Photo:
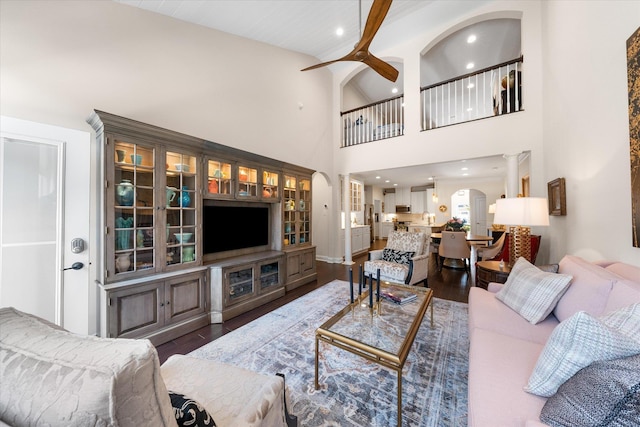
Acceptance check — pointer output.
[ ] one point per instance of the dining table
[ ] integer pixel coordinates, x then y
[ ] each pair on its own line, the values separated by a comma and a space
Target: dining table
472, 240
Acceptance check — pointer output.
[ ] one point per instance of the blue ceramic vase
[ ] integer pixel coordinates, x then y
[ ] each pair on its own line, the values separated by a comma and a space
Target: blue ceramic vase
185, 200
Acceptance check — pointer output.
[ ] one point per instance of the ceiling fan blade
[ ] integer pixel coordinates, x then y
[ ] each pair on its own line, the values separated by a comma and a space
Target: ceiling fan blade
385, 69
361, 53
323, 64
378, 11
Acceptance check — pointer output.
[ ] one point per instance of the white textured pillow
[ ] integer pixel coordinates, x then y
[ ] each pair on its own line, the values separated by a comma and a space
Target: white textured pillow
531, 292
581, 340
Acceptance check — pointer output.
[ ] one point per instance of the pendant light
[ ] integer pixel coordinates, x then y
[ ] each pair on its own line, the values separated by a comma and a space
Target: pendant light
434, 197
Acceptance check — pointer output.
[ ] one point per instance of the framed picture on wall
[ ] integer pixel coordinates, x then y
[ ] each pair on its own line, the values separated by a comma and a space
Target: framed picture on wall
557, 197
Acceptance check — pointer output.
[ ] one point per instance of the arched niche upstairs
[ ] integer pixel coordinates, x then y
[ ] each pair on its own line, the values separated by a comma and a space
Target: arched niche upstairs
364, 86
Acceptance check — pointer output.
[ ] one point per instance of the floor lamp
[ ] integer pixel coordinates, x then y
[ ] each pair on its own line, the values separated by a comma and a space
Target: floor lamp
519, 213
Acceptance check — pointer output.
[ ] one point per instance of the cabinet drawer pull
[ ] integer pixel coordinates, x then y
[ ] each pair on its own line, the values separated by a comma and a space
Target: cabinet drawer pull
161, 304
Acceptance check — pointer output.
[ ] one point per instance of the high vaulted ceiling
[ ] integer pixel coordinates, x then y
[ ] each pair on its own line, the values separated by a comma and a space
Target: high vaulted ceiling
309, 27
306, 26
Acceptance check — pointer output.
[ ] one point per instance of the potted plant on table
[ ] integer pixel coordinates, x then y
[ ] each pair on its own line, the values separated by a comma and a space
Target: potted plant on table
455, 224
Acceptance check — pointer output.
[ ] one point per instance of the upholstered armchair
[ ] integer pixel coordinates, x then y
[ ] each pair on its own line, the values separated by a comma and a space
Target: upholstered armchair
404, 260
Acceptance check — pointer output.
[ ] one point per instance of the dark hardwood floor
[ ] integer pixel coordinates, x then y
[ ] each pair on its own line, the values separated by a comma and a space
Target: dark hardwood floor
447, 284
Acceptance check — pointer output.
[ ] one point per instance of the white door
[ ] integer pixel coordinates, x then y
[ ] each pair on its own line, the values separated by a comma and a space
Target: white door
44, 206
479, 216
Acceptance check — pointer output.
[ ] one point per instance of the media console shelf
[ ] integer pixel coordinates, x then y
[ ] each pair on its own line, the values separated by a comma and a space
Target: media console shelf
153, 260
242, 283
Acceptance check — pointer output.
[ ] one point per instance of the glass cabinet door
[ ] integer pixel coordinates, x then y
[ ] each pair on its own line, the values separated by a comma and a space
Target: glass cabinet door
240, 284
304, 211
219, 178
247, 182
181, 206
133, 208
270, 185
289, 221
269, 274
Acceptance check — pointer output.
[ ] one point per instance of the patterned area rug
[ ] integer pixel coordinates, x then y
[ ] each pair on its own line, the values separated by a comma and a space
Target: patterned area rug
354, 391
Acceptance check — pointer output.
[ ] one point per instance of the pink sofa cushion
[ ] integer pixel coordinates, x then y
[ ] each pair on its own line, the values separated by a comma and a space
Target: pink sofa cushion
588, 291
499, 367
624, 292
487, 312
625, 270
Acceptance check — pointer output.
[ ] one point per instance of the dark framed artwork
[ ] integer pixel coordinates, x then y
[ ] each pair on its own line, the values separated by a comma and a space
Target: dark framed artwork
633, 81
557, 195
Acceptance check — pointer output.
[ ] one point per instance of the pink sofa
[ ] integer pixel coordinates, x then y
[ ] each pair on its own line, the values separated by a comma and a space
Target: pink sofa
504, 347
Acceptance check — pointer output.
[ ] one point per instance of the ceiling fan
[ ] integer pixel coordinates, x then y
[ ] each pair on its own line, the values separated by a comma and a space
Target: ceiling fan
361, 53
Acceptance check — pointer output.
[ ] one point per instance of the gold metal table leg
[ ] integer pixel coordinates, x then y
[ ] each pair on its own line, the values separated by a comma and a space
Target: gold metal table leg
431, 302
400, 398
316, 383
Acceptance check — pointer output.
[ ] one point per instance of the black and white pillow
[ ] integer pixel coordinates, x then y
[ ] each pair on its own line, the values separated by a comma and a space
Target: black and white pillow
399, 257
603, 393
188, 412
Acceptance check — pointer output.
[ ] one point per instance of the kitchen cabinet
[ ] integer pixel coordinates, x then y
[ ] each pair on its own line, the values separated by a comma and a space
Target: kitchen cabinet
390, 203
418, 202
385, 228
242, 283
403, 196
360, 239
159, 310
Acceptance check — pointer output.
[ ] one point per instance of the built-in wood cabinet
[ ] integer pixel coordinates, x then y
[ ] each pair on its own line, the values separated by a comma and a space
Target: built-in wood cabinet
159, 310
242, 283
301, 266
296, 211
152, 209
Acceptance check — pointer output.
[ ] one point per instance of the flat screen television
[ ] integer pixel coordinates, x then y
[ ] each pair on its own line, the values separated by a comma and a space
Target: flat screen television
229, 227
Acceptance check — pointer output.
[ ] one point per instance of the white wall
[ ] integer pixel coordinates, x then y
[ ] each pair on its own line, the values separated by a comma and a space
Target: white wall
586, 125
61, 59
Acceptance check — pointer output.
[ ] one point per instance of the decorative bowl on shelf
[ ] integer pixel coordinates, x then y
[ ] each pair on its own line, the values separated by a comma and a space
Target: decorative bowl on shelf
183, 237
180, 167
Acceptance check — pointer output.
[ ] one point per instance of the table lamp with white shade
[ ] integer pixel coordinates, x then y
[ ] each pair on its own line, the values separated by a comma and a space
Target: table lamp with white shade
520, 213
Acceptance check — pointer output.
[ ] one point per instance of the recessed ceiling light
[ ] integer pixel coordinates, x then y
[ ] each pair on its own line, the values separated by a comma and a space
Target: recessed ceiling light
340, 31
395, 185
386, 180
377, 177
469, 109
470, 65
394, 90
471, 38
465, 174
430, 178
464, 169
470, 86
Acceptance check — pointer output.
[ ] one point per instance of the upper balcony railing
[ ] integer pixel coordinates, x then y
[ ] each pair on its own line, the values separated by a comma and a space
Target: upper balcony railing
485, 93
489, 92
380, 120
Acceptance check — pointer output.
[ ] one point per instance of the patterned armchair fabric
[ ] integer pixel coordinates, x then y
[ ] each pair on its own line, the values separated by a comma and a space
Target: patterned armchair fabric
416, 270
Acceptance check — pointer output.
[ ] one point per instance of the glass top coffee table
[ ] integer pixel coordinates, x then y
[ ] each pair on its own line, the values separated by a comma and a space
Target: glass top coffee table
383, 335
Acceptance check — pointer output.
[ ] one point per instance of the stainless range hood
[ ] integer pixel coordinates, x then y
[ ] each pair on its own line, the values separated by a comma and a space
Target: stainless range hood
403, 209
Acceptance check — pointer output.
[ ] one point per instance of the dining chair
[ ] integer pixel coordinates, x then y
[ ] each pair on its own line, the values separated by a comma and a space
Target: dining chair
454, 245
488, 252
